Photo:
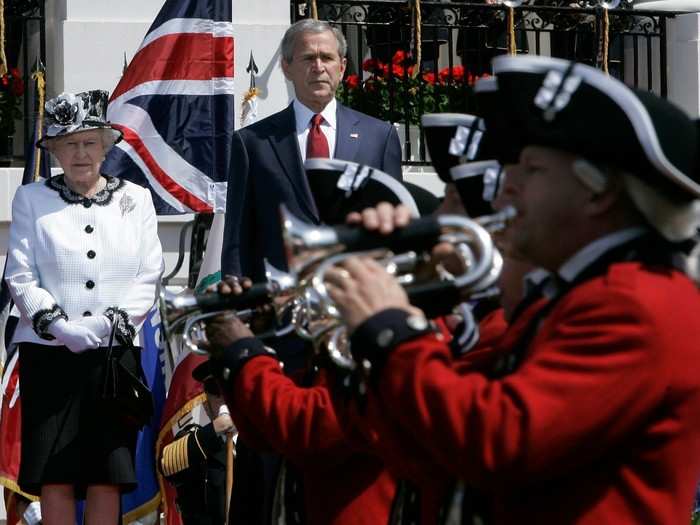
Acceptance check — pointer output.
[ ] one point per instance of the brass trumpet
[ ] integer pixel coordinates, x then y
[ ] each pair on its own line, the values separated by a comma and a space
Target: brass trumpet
183, 315
315, 250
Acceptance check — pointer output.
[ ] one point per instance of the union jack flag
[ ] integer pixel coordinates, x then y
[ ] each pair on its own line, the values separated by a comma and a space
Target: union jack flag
174, 105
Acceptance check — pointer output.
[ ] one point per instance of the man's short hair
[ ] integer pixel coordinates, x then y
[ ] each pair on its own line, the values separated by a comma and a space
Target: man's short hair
309, 25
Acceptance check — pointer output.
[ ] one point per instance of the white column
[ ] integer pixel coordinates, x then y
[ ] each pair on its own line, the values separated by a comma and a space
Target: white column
683, 51
258, 26
684, 62
668, 5
88, 40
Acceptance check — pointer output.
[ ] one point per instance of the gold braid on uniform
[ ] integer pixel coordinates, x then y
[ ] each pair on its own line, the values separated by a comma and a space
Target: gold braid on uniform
418, 37
3, 58
175, 457
40, 78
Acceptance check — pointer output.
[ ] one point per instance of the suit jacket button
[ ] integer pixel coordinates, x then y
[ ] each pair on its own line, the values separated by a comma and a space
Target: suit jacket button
87, 203
87, 313
91, 254
89, 229
90, 285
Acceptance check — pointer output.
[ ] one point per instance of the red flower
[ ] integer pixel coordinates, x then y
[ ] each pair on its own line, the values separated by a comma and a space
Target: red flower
397, 70
399, 57
352, 82
18, 87
372, 65
455, 74
429, 77
5, 80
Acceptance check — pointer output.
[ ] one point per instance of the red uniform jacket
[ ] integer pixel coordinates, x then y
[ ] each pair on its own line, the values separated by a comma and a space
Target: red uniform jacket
600, 424
403, 450
344, 483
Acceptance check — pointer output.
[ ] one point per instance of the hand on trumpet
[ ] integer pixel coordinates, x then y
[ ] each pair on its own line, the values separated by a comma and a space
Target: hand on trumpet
361, 287
225, 329
385, 218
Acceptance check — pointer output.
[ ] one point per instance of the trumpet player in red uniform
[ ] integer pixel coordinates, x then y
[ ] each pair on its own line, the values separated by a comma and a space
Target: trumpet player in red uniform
588, 414
326, 477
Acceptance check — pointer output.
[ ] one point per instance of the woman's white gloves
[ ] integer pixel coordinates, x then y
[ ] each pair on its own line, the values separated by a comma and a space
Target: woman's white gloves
76, 337
99, 324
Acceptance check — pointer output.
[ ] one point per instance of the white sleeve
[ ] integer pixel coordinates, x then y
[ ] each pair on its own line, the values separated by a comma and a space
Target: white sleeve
140, 296
22, 273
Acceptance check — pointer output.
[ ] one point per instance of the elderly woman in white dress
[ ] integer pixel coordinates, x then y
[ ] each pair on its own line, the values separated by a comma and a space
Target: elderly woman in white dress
83, 255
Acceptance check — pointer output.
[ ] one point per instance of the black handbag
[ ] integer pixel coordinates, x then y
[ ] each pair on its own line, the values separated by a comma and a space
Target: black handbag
124, 394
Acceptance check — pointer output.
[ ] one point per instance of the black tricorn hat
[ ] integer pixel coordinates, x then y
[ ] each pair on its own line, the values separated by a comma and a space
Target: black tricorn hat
576, 108
450, 137
341, 186
477, 183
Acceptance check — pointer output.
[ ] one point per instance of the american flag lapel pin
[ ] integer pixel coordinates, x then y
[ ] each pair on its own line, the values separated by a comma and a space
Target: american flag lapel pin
354, 135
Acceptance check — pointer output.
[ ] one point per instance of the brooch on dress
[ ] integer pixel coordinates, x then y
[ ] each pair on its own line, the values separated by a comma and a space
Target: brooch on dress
126, 204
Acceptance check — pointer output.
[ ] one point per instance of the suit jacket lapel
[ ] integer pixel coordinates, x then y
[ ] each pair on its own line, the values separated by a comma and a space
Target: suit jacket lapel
347, 140
286, 146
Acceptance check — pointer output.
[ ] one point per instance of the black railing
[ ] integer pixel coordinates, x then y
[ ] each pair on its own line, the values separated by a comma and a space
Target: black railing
25, 22
457, 36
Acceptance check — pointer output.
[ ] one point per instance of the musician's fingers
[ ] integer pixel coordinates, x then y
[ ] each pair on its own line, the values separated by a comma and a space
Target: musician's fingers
402, 216
354, 217
222, 287
370, 219
338, 277
385, 216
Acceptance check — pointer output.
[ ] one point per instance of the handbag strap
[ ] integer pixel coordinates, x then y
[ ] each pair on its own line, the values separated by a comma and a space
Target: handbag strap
112, 333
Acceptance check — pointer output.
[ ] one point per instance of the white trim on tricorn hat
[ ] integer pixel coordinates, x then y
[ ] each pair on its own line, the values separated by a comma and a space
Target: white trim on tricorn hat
482, 178
623, 96
473, 169
352, 175
452, 138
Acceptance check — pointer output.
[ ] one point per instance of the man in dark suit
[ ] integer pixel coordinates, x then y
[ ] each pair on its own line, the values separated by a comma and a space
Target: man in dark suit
267, 170
267, 157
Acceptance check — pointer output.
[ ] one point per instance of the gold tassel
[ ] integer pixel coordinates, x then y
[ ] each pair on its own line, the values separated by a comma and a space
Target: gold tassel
418, 38
605, 41
3, 58
314, 10
230, 455
40, 79
512, 48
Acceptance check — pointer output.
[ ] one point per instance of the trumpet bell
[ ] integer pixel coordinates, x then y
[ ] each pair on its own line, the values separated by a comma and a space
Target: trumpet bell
305, 244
